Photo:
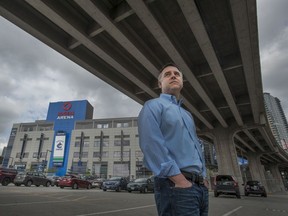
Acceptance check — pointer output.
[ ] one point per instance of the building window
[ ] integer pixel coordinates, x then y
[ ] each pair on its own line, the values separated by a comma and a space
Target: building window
97, 154
85, 138
26, 155
45, 127
105, 154
83, 125
76, 155
126, 154
43, 154
28, 128
97, 143
135, 123
35, 154
123, 124
119, 136
98, 139
102, 126
118, 142
117, 154
86, 143
105, 143
18, 155
121, 169
84, 154
138, 154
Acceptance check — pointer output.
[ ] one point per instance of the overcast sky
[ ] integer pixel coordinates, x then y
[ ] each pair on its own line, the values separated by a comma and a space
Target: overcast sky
32, 74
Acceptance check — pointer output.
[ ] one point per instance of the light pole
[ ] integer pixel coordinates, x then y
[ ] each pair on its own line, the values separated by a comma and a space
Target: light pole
137, 165
11, 161
46, 162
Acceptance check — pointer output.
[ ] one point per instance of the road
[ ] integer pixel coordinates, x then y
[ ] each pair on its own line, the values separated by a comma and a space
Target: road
54, 201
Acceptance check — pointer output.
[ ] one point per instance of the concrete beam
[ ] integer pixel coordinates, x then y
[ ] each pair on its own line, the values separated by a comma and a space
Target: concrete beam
244, 143
80, 36
246, 131
194, 20
156, 30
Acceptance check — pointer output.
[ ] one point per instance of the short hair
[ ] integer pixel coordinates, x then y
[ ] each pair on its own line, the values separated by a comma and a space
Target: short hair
167, 65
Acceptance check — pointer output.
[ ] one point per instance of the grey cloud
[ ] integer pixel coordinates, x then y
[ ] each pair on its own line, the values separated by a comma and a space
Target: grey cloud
32, 75
272, 17
273, 39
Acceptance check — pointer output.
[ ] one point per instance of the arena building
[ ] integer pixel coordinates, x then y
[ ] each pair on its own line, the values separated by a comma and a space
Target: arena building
70, 140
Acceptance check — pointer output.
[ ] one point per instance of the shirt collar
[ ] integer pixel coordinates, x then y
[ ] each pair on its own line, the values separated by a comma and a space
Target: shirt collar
171, 98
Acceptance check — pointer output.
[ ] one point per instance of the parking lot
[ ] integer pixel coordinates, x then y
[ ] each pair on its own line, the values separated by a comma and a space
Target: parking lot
32, 201
55, 201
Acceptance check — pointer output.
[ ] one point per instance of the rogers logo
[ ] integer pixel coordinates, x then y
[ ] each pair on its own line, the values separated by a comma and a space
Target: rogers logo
67, 106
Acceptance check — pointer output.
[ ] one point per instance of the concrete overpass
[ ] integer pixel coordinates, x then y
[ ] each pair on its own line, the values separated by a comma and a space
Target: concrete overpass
215, 44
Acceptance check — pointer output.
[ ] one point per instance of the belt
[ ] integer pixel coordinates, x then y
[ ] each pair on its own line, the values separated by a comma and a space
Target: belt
193, 177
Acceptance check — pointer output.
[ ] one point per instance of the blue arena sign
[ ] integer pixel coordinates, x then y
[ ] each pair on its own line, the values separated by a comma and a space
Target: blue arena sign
64, 114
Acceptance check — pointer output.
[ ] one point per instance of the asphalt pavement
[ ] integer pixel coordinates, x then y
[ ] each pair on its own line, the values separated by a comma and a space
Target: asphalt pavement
35, 201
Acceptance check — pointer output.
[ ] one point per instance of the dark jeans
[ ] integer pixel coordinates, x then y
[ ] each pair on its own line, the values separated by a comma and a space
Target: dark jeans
171, 201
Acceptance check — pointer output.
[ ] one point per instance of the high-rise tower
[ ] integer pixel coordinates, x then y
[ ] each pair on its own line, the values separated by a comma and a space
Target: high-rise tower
277, 119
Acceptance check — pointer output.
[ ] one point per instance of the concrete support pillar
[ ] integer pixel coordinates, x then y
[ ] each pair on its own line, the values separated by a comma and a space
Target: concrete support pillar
257, 170
226, 153
275, 183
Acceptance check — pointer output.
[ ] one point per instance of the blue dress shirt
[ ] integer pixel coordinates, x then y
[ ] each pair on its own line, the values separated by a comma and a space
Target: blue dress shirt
168, 139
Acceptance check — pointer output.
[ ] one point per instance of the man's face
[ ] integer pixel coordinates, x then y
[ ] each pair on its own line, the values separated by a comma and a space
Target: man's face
171, 81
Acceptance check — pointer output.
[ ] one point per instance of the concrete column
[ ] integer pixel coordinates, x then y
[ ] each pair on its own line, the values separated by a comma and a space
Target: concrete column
276, 183
257, 170
226, 153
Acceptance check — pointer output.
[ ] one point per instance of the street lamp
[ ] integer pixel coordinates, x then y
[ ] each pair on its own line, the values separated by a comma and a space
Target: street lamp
137, 165
11, 161
46, 162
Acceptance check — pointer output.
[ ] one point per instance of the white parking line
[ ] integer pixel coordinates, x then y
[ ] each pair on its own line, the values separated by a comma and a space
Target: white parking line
118, 210
79, 198
62, 197
43, 202
234, 210
29, 203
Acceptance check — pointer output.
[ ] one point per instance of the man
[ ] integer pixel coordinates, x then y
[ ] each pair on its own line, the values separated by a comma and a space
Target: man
172, 150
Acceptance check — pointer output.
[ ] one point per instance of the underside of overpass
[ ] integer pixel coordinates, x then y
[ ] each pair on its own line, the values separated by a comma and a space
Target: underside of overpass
126, 42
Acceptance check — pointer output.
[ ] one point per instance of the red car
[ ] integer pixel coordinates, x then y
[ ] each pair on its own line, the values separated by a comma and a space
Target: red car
74, 181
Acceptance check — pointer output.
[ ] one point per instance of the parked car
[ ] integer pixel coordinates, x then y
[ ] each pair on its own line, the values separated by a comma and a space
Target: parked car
74, 181
54, 179
141, 184
226, 184
7, 175
254, 187
32, 178
115, 183
97, 183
